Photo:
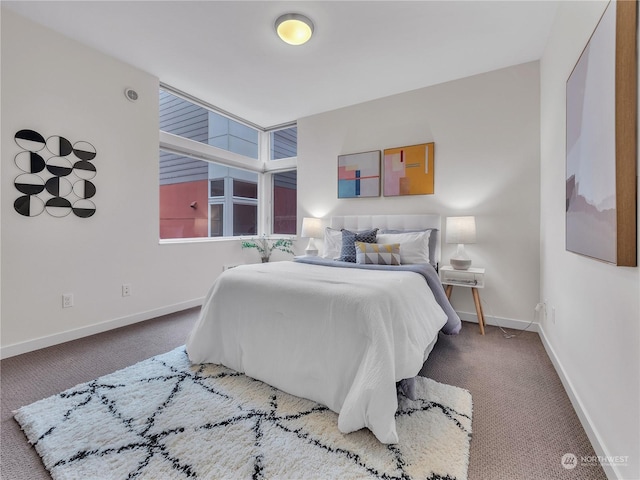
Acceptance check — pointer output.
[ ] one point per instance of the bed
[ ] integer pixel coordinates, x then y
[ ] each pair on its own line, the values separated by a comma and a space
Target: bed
336, 332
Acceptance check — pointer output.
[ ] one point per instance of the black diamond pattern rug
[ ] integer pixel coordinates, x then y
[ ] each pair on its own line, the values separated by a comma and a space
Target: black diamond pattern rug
164, 418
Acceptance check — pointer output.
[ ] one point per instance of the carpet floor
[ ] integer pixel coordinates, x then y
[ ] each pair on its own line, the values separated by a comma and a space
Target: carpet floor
523, 421
164, 418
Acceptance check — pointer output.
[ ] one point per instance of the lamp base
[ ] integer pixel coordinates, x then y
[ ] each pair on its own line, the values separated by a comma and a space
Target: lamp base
311, 250
460, 260
460, 264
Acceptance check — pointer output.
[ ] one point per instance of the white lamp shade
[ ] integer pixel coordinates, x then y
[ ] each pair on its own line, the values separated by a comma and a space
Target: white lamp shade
461, 230
311, 227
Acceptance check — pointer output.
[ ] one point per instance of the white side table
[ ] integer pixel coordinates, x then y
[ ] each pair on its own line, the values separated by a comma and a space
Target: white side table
472, 278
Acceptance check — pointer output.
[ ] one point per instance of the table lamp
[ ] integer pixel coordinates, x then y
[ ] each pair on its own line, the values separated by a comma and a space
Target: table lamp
311, 229
461, 230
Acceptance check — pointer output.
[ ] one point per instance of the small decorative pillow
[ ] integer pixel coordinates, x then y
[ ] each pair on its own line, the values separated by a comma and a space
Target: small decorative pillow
348, 253
378, 253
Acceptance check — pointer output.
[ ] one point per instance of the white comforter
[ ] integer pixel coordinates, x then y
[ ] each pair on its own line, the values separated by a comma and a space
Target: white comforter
339, 336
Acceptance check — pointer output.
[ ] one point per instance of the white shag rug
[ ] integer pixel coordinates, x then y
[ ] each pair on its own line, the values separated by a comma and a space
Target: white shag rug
166, 419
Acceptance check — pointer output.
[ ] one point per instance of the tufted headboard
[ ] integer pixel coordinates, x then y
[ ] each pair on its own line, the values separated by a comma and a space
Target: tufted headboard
394, 222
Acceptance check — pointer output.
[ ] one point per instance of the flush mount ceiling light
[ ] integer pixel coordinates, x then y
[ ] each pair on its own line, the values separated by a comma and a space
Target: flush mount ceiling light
294, 29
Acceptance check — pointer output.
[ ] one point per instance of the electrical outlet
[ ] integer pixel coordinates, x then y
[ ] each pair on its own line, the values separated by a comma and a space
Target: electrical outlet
545, 309
67, 300
126, 289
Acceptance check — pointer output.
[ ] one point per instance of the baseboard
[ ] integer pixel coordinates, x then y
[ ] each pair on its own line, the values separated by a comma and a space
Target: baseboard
583, 416
56, 339
500, 322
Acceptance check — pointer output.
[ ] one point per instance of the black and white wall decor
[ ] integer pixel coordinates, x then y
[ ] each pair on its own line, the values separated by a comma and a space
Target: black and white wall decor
56, 176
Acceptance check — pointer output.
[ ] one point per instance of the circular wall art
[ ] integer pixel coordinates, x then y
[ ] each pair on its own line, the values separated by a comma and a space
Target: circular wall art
56, 178
29, 205
29, 140
59, 166
29, 162
58, 186
84, 189
58, 207
59, 146
85, 170
84, 208
29, 183
84, 151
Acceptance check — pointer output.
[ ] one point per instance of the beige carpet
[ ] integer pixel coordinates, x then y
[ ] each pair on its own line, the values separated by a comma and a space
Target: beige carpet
523, 420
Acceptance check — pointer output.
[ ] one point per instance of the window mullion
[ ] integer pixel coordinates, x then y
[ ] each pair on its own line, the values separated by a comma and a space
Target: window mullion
264, 205
228, 207
184, 146
263, 189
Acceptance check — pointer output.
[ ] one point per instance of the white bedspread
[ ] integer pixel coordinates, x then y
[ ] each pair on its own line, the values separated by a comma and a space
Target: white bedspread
339, 336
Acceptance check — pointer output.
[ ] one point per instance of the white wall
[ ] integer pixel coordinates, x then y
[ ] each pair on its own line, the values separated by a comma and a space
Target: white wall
595, 340
58, 87
486, 134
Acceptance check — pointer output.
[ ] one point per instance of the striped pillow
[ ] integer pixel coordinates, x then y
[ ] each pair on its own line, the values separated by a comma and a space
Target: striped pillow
378, 253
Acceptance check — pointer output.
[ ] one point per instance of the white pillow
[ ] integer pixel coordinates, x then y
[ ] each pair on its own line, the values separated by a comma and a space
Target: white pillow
414, 246
332, 243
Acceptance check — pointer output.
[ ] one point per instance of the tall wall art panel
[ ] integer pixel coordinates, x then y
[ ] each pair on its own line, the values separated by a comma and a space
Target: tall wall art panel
601, 185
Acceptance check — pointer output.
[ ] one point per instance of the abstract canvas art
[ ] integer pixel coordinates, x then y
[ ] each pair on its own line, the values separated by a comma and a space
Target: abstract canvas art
601, 142
409, 170
359, 175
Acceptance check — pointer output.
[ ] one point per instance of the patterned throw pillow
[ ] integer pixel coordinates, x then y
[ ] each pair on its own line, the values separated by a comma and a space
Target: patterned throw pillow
378, 253
348, 253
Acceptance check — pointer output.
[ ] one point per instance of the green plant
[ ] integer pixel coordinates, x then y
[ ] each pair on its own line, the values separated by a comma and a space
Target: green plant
266, 245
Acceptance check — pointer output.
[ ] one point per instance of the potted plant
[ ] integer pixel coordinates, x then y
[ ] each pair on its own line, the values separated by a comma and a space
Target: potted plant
266, 245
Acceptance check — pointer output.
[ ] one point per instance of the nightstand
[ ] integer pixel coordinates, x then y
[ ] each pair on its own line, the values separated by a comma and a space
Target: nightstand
472, 278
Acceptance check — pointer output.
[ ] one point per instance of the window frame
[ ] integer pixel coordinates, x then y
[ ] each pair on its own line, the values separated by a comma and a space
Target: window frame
263, 166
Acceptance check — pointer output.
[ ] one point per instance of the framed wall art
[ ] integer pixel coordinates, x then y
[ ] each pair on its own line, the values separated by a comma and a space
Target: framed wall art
359, 175
409, 170
601, 140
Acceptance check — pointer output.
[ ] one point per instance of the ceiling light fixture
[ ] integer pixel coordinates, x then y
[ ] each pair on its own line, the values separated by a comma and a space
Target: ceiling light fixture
294, 29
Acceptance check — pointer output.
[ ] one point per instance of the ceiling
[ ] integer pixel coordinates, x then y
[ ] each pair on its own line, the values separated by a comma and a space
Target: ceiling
227, 53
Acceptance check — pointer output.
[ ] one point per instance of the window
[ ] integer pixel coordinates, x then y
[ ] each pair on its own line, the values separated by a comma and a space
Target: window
216, 219
183, 196
284, 143
206, 199
233, 201
186, 119
217, 188
206, 192
285, 203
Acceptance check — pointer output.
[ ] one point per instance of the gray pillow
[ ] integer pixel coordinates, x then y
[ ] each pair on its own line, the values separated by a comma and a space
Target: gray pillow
349, 239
